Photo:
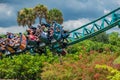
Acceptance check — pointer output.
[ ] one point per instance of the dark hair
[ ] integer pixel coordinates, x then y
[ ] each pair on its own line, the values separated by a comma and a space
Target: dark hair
43, 24
46, 25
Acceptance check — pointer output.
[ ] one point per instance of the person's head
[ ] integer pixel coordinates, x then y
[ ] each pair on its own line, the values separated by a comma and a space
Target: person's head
38, 26
29, 31
3, 43
43, 26
20, 33
53, 22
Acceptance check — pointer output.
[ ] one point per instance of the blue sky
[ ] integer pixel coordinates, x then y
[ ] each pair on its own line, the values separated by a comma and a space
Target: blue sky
75, 12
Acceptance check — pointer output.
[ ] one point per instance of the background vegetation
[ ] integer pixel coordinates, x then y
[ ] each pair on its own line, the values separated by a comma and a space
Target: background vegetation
87, 60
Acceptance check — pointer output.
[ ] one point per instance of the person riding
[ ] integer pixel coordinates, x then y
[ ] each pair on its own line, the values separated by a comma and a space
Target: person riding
31, 36
38, 30
2, 46
50, 33
10, 35
23, 41
59, 32
11, 42
33, 29
43, 33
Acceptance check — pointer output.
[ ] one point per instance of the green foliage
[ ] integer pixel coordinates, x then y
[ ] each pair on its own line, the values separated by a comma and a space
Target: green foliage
77, 67
20, 67
2, 35
40, 11
115, 74
102, 37
23, 66
117, 60
114, 38
88, 46
54, 15
27, 16
80, 64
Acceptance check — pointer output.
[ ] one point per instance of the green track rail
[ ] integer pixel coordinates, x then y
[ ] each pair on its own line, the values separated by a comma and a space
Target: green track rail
95, 27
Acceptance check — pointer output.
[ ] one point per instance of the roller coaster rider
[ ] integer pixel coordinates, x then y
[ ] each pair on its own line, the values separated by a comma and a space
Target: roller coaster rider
32, 38
59, 32
2, 47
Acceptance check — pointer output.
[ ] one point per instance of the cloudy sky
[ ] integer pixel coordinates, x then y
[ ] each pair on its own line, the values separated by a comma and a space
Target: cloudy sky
75, 12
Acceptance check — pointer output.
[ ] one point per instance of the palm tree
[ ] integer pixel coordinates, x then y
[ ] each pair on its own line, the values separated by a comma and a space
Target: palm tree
26, 17
21, 18
40, 11
54, 15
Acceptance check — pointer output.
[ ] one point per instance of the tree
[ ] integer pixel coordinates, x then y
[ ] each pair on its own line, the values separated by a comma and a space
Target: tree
26, 17
102, 37
40, 11
54, 15
114, 38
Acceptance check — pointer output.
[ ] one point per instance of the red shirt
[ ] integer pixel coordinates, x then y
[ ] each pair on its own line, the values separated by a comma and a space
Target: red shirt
32, 37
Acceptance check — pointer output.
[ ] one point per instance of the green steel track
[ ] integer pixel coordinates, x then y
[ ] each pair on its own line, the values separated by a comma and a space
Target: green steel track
95, 27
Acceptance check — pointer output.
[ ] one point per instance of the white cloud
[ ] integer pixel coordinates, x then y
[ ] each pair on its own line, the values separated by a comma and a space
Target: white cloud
73, 24
9, 13
6, 11
115, 29
13, 29
106, 11
118, 2
2, 30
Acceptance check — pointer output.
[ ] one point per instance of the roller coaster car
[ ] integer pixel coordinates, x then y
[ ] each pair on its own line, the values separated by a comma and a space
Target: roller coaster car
2, 50
16, 48
39, 46
10, 49
36, 46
